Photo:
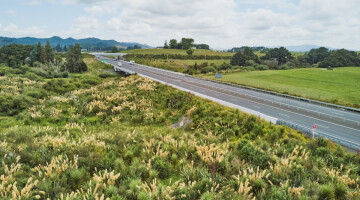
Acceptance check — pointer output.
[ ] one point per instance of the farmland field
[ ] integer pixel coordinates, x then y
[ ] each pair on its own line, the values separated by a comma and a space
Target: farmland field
340, 86
178, 51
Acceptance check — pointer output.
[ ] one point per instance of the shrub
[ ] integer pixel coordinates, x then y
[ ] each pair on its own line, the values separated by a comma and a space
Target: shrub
327, 192
261, 67
340, 192
162, 167
107, 75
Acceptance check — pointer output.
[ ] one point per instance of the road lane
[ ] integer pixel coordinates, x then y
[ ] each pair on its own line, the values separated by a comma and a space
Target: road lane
334, 122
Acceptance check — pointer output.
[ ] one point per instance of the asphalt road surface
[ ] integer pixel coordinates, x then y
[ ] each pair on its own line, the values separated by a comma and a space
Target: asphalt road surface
334, 123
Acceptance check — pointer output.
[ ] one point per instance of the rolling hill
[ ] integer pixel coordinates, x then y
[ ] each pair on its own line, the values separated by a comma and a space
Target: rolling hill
87, 43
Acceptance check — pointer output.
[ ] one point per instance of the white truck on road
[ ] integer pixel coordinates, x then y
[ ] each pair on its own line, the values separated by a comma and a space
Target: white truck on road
117, 67
132, 62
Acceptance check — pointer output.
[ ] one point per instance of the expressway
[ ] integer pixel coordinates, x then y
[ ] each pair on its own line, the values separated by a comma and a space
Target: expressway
338, 125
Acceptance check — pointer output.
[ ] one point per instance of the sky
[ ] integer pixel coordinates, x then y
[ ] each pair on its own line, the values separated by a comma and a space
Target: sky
220, 23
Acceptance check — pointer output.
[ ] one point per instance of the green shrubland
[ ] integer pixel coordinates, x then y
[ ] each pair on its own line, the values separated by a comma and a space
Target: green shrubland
86, 137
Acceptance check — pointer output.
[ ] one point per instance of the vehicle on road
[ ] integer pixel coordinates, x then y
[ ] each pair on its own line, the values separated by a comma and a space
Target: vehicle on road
132, 62
119, 64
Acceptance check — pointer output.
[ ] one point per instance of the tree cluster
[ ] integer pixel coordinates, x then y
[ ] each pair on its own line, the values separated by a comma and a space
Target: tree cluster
14, 55
58, 48
261, 49
185, 43
281, 55
42, 54
74, 60
242, 57
341, 58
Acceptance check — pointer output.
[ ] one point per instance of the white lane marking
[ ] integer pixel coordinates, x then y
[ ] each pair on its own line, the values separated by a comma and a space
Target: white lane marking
338, 113
284, 115
323, 126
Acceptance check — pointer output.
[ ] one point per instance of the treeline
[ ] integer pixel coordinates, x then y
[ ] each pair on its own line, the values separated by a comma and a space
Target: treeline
281, 58
261, 49
185, 43
176, 56
16, 55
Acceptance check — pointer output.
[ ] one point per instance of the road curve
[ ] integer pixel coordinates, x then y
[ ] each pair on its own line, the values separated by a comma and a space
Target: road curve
336, 124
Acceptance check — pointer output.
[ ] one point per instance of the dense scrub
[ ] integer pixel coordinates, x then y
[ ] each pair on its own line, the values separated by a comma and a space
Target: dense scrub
115, 140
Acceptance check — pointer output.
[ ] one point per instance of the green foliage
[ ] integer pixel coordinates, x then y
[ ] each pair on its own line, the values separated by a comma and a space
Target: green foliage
281, 55
74, 60
14, 55
327, 192
114, 50
244, 57
341, 58
190, 52
316, 55
115, 139
162, 167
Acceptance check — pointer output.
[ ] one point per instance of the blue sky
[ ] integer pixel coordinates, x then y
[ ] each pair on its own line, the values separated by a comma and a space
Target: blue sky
221, 24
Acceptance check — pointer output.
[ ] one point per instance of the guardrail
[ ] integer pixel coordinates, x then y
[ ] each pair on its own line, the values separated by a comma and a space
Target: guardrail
280, 94
344, 142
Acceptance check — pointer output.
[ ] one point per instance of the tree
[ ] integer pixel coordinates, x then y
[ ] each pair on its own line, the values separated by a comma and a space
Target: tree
281, 55
74, 60
49, 54
114, 50
241, 57
58, 48
187, 43
65, 49
250, 55
190, 52
316, 55
238, 59
202, 46
341, 58
166, 46
173, 44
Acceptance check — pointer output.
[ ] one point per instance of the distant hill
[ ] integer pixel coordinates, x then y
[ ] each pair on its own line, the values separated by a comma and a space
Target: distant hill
304, 48
87, 43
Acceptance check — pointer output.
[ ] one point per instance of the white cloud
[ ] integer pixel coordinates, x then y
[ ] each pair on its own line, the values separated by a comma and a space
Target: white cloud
11, 12
221, 24
13, 30
154, 22
101, 10
84, 27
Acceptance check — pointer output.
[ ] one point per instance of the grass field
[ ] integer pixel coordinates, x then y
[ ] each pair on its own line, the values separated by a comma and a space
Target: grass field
178, 51
340, 86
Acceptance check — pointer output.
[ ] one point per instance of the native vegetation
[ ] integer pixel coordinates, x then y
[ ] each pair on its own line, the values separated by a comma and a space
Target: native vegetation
111, 138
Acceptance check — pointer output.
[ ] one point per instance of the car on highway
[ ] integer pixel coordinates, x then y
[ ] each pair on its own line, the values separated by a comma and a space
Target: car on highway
132, 62
119, 64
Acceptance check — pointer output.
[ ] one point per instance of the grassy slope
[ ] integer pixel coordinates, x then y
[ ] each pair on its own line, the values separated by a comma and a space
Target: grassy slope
73, 141
341, 85
178, 51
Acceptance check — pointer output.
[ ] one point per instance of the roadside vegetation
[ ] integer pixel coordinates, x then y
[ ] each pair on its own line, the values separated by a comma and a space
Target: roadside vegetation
88, 137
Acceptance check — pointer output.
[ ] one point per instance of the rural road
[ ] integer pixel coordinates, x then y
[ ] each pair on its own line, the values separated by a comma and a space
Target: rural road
332, 123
